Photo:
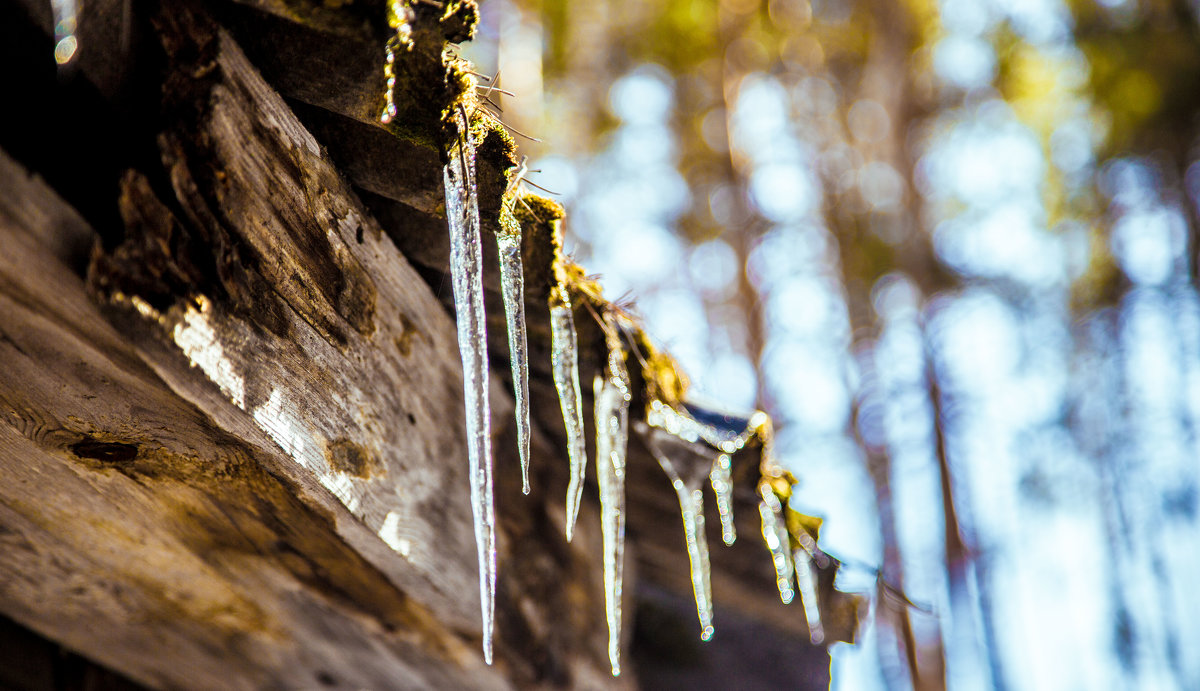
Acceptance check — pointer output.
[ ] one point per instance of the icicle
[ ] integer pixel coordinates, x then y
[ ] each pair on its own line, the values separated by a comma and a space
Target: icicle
806, 583
722, 484
65, 43
512, 282
399, 14
564, 359
691, 506
612, 396
686, 427
462, 214
692, 423
774, 532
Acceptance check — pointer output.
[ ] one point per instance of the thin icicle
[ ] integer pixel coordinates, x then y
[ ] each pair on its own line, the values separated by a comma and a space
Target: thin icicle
564, 360
774, 532
612, 396
686, 424
399, 14
462, 214
721, 478
806, 583
687, 428
512, 283
691, 506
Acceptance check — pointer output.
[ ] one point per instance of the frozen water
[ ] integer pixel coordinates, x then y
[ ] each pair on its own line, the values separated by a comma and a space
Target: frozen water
612, 396
806, 583
691, 506
462, 214
512, 284
774, 532
722, 483
564, 360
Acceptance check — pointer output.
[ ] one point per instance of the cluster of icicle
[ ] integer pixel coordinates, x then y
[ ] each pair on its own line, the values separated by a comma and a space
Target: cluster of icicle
678, 428
794, 552
684, 429
690, 444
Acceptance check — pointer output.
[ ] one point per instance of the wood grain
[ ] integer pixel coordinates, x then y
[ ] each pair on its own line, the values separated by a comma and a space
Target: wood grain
140, 532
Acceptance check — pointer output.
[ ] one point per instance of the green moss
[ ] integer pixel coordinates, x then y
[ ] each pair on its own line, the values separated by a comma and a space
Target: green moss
429, 89
458, 20
546, 210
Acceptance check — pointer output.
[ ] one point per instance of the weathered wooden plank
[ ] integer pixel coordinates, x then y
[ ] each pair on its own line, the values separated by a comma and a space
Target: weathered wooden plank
141, 533
355, 373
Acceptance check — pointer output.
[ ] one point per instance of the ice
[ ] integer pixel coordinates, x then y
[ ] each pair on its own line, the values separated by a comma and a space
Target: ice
564, 360
696, 430
774, 532
462, 214
389, 74
399, 15
612, 396
512, 282
806, 583
683, 424
722, 484
691, 506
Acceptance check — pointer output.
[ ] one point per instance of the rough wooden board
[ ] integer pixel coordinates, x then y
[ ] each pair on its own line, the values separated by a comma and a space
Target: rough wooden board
356, 374
377, 161
132, 523
342, 75
331, 63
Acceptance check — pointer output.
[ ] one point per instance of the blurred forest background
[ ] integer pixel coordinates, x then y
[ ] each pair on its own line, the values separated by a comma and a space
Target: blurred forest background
950, 247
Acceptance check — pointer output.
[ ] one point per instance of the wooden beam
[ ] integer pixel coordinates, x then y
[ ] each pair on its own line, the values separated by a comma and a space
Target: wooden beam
139, 530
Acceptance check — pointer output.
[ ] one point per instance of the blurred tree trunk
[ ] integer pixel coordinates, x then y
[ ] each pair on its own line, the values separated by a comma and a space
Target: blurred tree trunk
884, 101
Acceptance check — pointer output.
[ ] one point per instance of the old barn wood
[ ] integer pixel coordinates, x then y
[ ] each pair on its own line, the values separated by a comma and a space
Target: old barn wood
233, 451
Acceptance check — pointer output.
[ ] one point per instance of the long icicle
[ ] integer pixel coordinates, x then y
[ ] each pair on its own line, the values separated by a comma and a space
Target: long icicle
774, 532
691, 506
512, 284
462, 213
564, 359
612, 395
806, 583
721, 478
